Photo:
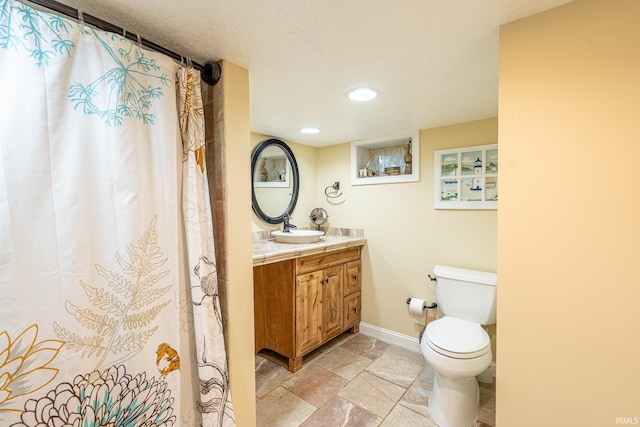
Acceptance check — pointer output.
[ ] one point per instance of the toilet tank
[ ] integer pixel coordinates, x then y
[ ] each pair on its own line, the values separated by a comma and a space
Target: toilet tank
466, 294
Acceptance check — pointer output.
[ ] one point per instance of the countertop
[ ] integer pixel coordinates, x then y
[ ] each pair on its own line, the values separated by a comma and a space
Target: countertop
266, 250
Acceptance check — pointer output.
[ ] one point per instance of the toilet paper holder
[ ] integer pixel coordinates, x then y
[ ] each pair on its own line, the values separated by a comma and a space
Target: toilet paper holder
432, 305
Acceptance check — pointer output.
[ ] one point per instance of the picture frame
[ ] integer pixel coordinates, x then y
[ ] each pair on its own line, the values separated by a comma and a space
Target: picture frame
466, 178
273, 171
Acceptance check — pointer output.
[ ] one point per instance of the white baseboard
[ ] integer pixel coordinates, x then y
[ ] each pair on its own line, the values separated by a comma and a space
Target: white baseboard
391, 337
401, 340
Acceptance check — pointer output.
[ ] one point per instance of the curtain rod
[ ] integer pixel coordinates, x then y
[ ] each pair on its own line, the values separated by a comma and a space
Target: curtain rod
209, 72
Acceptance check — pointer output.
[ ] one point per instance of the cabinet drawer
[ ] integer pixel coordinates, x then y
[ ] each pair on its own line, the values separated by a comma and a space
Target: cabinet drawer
352, 306
327, 259
352, 277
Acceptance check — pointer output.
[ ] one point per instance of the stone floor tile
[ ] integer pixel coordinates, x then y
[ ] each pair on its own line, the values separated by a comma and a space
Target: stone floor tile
425, 379
416, 399
316, 385
396, 369
283, 409
487, 415
401, 416
269, 375
373, 393
341, 412
418, 395
336, 342
409, 355
366, 346
343, 362
286, 399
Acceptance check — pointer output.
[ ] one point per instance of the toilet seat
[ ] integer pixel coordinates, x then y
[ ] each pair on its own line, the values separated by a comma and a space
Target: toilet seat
457, 338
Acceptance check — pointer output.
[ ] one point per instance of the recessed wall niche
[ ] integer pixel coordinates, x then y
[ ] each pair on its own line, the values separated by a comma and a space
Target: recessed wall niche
386, 159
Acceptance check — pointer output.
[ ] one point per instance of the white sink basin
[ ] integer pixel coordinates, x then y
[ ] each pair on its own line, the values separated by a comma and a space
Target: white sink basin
297, 236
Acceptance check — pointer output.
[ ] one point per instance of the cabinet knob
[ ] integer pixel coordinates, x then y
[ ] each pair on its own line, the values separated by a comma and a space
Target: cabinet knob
354, 277
355, 310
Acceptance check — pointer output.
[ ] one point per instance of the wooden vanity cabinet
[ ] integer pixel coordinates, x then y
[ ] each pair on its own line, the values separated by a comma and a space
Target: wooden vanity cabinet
302, 303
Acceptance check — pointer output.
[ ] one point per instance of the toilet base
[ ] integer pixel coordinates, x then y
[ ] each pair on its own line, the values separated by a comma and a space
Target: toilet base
454, 402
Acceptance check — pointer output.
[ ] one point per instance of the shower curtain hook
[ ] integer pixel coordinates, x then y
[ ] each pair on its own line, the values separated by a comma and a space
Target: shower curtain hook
189, 63
139, 41
81, 20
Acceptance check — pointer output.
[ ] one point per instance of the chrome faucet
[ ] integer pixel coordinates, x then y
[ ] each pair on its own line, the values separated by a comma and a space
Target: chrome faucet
286, 226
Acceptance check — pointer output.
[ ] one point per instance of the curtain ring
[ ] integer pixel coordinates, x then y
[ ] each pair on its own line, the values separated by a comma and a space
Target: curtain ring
81, 20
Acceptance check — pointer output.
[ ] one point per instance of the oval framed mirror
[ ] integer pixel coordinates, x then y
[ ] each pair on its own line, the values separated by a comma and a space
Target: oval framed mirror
275, 181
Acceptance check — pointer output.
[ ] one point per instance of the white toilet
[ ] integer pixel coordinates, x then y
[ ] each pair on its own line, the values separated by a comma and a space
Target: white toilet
456, 346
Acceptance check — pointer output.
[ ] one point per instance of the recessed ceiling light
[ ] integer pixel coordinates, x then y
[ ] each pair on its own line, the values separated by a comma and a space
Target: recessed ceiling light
361, 94
310, 130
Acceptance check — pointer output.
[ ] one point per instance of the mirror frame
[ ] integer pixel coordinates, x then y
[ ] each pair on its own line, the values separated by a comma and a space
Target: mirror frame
294, 175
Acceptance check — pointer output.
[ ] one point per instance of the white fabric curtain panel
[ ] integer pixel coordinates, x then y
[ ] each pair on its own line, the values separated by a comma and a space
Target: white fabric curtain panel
96, 326
382, 158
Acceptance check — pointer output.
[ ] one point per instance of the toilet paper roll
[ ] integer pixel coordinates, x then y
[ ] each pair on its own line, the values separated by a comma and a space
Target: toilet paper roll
416, 309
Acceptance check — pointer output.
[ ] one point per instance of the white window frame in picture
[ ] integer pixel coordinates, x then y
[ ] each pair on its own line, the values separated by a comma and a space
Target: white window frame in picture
460, 171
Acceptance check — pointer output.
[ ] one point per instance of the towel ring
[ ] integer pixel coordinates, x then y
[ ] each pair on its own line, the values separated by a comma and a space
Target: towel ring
336, 187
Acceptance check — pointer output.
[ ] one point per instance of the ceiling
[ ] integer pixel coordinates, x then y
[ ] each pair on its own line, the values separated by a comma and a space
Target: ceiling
434, 62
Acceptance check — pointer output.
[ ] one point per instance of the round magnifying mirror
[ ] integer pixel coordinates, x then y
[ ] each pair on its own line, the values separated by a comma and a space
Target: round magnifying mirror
274, 181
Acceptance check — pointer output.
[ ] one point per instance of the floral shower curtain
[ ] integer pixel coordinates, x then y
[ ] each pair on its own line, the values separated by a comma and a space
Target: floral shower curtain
100, 309
215, 398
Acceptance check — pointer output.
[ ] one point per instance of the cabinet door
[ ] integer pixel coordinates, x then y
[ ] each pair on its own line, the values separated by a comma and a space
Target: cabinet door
332, 300
352, 310
308, 311
274, 307
352, 277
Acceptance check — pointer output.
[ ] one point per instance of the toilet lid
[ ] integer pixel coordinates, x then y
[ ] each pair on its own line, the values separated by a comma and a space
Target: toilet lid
457, 338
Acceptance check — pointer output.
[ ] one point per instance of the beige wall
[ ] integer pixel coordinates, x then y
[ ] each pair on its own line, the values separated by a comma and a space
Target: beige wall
568, 223
406, 237
238, 284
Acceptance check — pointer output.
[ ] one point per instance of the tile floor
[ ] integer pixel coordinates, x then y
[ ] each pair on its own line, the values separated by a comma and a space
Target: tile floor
354, 380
